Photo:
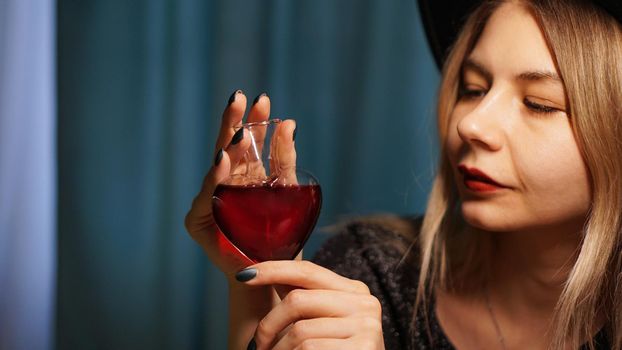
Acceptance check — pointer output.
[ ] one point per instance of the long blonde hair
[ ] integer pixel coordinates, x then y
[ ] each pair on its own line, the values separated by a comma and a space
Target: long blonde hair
586, 44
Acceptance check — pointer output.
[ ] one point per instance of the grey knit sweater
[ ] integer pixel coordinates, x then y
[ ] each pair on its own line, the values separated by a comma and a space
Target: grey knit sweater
369, 251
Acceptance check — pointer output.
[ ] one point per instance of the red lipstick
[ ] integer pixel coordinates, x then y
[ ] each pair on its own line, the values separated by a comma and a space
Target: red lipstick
477, 181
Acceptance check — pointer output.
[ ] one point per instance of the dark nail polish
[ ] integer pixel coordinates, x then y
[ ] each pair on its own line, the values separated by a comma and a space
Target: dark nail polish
238, 136
246, 274
251, 345
218, 157
232, 98
294, 136
258, 97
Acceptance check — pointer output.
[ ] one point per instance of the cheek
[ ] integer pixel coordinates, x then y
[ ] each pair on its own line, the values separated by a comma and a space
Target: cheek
551, 180
555, 179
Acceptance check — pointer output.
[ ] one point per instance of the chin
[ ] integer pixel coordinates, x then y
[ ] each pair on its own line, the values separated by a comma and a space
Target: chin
487, 217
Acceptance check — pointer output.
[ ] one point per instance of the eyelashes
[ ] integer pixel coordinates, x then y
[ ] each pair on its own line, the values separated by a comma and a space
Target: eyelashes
538, 108
470, 94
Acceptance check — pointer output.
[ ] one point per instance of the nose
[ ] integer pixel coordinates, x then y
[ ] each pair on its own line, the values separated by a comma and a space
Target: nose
482, 127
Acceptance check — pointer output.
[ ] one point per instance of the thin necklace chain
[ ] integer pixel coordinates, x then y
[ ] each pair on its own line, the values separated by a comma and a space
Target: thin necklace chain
494, 319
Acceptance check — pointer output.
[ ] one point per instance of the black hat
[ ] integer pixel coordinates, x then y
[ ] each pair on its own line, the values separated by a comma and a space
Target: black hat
442, 19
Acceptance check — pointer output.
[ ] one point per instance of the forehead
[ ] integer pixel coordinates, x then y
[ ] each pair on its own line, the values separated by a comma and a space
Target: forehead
512, 42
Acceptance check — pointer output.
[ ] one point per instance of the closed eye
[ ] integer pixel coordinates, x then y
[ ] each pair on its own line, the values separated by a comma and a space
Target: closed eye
539, 108
470, 93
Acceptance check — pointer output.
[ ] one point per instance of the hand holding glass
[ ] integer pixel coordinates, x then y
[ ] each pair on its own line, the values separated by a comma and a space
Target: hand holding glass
267, 207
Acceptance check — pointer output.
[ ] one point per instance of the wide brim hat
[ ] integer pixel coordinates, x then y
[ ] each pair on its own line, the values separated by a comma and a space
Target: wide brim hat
442, 20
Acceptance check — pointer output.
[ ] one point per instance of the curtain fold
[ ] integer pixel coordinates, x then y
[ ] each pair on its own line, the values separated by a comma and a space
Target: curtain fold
142, 85
27, 174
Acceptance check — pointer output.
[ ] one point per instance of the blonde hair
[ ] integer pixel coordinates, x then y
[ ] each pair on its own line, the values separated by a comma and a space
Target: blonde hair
586, 44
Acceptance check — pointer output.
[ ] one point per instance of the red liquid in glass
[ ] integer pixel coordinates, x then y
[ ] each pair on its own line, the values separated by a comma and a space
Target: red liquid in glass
267, 222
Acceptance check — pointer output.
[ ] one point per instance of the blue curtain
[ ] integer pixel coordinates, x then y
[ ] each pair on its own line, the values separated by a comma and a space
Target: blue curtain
27, 174
141, 86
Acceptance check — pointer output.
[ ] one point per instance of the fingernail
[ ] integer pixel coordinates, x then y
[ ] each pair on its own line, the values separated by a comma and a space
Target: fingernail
218, 157
232, 98
238, 136
259, 97
246, 274
294, 136
251, 345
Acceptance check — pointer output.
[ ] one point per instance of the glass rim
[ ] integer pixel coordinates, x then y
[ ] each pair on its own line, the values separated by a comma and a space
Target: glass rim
260, 123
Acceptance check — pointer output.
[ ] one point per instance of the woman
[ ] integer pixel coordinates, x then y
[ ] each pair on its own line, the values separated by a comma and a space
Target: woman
520, 245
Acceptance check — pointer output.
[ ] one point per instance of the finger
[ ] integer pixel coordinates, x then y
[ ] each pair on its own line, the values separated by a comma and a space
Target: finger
303, 274
282, 289
284, 151
231, 117
285, 146
326, 327
327, 344
237, 148
260, 110
303, 304
255, 157
200, 214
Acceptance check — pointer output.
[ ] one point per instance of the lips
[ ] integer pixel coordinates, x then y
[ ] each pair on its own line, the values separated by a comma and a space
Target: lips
476, 180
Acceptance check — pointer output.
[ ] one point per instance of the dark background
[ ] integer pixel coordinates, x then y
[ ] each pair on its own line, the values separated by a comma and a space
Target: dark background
141, 87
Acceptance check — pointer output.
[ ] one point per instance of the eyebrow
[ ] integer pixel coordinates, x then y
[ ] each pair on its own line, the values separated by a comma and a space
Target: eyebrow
537, 75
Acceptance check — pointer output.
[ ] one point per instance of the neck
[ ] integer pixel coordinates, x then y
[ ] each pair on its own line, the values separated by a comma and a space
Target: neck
529, 268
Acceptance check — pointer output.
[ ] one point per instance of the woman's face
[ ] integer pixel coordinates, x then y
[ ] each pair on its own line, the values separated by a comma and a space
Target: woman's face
510, 123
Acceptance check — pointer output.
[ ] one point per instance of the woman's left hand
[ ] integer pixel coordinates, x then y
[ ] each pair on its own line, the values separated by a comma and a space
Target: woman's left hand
323, 311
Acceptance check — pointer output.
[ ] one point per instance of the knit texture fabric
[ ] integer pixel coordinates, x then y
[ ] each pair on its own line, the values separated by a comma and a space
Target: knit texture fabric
370, 252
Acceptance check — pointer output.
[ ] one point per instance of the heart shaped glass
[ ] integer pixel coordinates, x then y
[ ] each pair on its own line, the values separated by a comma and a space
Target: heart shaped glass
267, 207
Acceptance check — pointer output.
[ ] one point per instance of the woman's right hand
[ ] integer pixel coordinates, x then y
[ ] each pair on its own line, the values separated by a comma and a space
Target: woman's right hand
228, 154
